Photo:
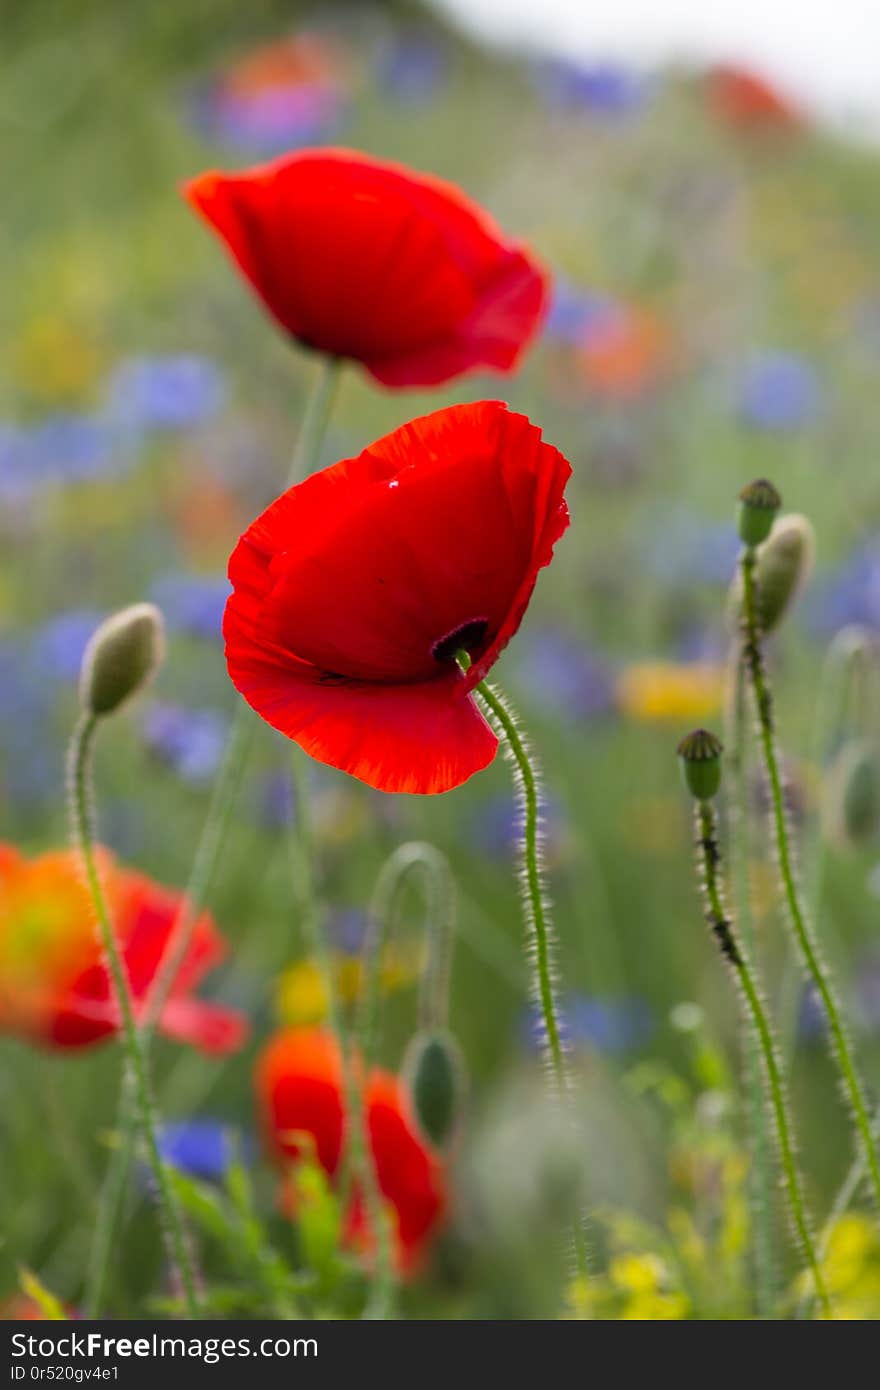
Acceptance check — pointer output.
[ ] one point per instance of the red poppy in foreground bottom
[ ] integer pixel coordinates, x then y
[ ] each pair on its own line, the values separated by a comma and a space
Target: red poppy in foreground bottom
353, 592
299, 1089
54, 985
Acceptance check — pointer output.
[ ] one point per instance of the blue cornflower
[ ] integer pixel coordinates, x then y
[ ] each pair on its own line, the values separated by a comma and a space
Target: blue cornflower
603, 88
576, 313
414, 68
57, 648
561, 675
204, 1149
850, 595
74, 448
190, 741
608, 1024
679, 548
779, 391
165, 393
192, 603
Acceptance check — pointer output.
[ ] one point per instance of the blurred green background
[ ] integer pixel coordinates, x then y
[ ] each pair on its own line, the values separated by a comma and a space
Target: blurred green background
717, 317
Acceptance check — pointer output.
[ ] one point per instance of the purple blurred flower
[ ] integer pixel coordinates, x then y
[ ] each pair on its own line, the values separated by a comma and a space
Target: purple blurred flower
204, 1149
576, 313
272, 120
851, 595
58, 646
779, 391
72, 448
277, 803
496, 829
190, 741
414, 68
31, 761
867, 990
346, 928
561, 675
18, 473
165, 393
679, 548
192, 603
603, 88
608, 1024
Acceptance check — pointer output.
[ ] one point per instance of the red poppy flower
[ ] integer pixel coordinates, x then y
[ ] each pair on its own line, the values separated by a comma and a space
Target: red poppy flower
750, 102
299, 1090
354, 590
54, 986
360, 258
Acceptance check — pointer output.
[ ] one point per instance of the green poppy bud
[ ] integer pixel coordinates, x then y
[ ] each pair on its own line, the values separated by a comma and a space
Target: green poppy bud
121, 657
758, 505
434, 1072
700, 754
852, 797
784, 564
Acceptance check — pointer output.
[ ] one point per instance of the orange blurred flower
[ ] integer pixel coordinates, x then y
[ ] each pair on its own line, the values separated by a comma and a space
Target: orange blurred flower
748, 102
55, 988
299, 1091
625, 352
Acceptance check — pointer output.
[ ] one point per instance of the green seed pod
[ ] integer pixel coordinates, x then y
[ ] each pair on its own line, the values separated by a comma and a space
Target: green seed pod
784, 564
435, 1074
758, 505
122, 656
700, 754
852, 795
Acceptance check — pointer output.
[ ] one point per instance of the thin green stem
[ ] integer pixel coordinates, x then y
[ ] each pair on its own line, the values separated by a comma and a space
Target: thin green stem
405, 860
114, 1189
536, 907
115, 1186
839, 1207
135, 1051
307, 454
709, 862
762, 1177
359, 1158
754, 662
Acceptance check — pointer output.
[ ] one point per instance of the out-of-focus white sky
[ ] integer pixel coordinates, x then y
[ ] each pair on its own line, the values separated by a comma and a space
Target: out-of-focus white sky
826, 52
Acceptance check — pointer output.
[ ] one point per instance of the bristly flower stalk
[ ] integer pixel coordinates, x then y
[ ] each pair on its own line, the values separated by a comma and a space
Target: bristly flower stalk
700, 755
119, 660
755, 503
536, 906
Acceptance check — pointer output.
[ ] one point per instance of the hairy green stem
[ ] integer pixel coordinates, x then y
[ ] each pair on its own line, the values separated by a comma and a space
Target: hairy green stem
112, 1198
136, 1054
537, 910
709, 865
754, 663
358, 1160
407, 859
115, 1186
762, 1177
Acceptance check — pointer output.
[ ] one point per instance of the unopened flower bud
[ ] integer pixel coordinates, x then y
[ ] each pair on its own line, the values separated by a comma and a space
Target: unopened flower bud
783, 567
121, 657
758, 505
852, 798
434, 1072
700, 754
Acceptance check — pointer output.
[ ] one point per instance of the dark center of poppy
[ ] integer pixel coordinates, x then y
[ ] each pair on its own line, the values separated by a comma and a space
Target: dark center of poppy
466, 637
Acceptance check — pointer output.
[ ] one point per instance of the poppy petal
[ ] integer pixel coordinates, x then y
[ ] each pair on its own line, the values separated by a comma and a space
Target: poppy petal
366, 259
353, 590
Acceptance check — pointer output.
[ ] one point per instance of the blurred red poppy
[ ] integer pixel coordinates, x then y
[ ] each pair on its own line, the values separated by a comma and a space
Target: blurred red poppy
54, 985
353, 592
299, 1091
749, 102
360, 258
